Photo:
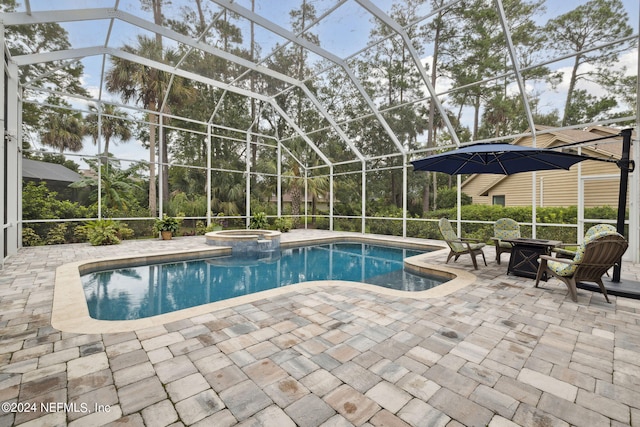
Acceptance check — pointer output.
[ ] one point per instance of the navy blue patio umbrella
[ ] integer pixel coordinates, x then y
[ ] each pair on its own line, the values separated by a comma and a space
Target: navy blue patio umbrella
507, 159
504, 159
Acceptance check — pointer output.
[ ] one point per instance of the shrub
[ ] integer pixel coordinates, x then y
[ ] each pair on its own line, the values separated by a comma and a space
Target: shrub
201, 228
282, 224
259, 221
522, 214
448, 198
102, 232
56, 235
30, 237
124, 232
80, 233
38, 202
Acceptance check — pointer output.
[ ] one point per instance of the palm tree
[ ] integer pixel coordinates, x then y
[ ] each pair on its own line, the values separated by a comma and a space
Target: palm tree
293, 181
114, 124
63, 131
318, 186
148, 86
117, 185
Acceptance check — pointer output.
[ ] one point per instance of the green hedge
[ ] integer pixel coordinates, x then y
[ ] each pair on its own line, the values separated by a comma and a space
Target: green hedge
489, 214
418, 227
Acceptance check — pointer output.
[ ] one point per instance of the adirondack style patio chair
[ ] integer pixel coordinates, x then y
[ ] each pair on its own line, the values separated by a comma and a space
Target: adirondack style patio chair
504, 228
459, 246
592, 260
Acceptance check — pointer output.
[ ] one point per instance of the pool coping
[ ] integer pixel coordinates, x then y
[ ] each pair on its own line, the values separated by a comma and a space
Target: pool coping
70, 312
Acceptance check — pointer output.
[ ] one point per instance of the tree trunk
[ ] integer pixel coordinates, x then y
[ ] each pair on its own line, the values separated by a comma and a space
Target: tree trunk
435, 191
157, 17
572, 86
476, 116
296, 198
203, 23
426, 195
313, 210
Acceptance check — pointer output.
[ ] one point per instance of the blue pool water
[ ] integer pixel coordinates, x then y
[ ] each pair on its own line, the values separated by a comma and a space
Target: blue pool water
144, 291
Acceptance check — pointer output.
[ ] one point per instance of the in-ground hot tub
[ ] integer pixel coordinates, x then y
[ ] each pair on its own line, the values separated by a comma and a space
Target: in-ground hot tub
245, 241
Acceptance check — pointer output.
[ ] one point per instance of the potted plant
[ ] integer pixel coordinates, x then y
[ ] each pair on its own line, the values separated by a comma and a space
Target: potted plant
167, 226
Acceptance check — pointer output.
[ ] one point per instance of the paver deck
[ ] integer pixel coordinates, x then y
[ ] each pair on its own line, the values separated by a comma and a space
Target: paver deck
498, 352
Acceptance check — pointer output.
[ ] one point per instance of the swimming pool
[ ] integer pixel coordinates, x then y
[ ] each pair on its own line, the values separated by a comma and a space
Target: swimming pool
137, 292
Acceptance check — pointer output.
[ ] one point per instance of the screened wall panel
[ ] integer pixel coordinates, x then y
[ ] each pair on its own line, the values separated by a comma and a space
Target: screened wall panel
329, 82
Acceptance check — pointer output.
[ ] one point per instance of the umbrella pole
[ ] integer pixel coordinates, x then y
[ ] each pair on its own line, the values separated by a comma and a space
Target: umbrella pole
625, 167
624, 288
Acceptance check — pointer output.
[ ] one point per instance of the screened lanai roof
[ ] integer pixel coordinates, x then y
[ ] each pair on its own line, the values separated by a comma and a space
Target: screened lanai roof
244, 48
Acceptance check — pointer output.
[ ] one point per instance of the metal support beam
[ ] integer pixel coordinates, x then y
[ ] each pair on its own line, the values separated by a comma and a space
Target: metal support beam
11, 180
99, 146
279, 172
263, 22
363, 198
306, 196
516, 67
59, 55
404, 195
160, 162
247, 156
4, 178
378, 13
626, 165
14, 130
459, 204
331, 196
209, 213
111, 14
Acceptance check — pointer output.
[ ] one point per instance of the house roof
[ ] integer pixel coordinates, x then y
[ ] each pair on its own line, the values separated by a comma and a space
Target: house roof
45, 171
602, 148
606, 148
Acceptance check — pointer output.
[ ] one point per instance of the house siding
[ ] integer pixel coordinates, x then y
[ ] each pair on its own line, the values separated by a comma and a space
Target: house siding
557, 188
478, 184
553, 188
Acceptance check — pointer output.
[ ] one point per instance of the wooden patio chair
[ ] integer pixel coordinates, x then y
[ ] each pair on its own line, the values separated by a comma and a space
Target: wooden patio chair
504, 228
592, 260
460, 246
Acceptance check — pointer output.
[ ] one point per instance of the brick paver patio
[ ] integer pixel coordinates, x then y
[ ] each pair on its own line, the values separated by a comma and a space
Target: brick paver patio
498, 352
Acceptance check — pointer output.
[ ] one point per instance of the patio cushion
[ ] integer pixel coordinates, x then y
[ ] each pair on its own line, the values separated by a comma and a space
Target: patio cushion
588, 236
475, 246
598, 228
506, 228
562, 269
449, 235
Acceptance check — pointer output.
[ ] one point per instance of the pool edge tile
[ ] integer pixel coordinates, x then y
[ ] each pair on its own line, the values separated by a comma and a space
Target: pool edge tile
70, 312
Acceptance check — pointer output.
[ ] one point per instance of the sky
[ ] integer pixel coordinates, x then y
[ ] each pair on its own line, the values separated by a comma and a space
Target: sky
344, 32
